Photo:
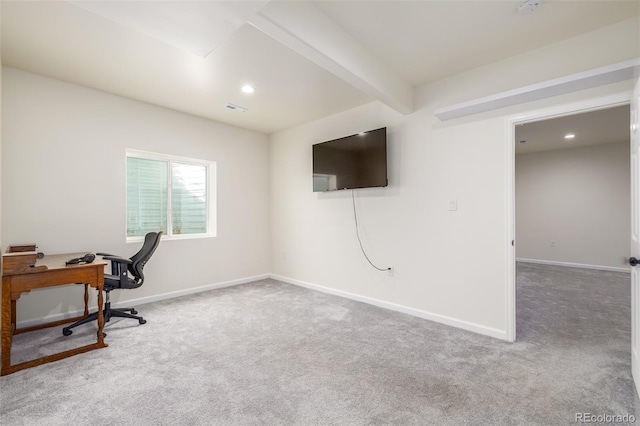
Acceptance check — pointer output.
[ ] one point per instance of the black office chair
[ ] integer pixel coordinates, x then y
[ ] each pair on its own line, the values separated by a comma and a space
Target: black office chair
119, 278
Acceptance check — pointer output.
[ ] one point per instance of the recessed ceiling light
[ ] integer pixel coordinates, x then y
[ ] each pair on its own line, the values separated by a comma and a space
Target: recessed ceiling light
248, 88
569, 136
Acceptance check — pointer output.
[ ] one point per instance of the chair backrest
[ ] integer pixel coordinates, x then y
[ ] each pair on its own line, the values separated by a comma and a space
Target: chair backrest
138, 260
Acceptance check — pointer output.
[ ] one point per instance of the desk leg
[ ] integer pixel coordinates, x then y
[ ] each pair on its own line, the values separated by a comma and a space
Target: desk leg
6, 325
86, 300
100, 308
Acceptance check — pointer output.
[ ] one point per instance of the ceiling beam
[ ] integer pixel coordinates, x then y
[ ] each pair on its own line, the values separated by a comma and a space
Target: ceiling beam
307, 30
583, 80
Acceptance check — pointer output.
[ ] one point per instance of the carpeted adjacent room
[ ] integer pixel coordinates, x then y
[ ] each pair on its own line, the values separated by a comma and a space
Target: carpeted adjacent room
273, 353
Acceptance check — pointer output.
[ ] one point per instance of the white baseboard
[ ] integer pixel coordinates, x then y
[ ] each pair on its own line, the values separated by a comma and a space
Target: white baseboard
442, 319
186, 292
575, 265
144, 300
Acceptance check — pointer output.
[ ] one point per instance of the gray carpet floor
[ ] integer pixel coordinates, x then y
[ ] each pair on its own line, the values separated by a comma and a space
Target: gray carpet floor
269, 353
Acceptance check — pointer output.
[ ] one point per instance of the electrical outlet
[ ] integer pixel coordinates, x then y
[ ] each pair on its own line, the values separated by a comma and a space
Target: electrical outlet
391, 271
553, 243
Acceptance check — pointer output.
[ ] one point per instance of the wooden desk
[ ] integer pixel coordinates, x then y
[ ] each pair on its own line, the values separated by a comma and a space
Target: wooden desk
49, 271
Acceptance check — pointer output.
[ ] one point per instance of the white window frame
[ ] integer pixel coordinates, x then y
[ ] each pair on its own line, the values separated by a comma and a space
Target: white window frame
211, 194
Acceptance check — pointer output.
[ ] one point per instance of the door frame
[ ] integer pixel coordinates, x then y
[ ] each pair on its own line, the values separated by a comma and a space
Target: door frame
619, 99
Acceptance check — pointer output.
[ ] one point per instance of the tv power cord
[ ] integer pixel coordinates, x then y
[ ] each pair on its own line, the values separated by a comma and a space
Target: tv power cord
355, 216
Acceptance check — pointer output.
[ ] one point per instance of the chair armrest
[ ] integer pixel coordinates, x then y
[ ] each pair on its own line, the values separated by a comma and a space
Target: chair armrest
117, 259
118, 265
104, 254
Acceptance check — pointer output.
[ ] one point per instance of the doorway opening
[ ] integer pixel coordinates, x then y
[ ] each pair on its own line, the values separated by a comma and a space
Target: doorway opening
577, 209
572, 209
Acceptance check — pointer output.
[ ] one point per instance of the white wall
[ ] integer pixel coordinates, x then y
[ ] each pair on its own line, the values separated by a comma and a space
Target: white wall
63, 185
578, 198
450, 266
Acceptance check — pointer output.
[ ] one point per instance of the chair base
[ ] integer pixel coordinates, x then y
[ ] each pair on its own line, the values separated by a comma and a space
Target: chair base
107, 314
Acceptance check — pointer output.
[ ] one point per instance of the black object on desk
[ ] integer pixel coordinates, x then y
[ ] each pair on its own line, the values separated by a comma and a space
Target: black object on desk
87, 258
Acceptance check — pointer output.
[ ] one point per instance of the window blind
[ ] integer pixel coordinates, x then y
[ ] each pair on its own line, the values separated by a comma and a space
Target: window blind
147, 185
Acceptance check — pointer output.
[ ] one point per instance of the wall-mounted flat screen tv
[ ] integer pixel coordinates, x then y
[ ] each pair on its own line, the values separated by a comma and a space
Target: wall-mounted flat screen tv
356, 161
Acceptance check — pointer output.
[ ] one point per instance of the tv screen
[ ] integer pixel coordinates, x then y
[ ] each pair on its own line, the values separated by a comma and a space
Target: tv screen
357, 161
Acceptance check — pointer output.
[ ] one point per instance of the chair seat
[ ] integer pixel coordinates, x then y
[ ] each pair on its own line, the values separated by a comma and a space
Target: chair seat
112, 282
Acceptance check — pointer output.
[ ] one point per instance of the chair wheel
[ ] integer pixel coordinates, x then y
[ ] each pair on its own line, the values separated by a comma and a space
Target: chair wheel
66, 332
142, 321
134, 312
104, 335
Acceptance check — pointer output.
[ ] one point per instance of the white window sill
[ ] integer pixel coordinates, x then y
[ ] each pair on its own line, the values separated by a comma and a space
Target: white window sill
172, 237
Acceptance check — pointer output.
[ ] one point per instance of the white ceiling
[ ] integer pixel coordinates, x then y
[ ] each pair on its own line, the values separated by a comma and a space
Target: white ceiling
305, 59
591, 128
198, 27
424, 41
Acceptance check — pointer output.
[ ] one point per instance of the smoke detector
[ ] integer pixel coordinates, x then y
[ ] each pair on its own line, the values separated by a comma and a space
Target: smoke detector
527, 7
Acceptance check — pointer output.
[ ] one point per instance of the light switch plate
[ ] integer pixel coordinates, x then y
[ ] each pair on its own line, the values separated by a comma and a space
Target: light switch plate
453, 205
